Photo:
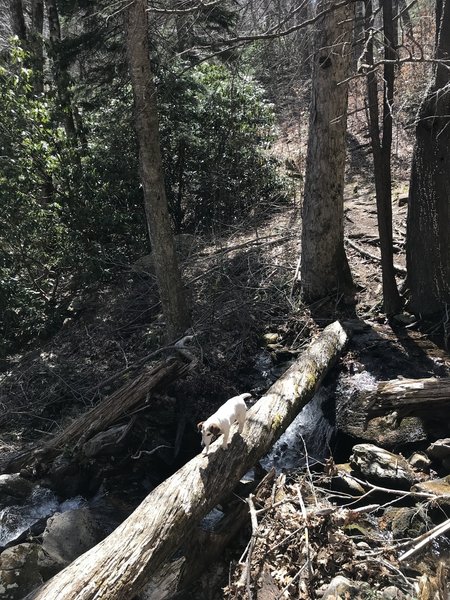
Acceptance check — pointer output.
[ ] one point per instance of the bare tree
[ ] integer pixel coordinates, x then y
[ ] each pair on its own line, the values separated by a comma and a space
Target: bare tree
428, 227
173, 296
381, 140
324, 265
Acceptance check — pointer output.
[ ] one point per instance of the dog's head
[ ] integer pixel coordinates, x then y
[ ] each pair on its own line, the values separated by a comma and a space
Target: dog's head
209, 432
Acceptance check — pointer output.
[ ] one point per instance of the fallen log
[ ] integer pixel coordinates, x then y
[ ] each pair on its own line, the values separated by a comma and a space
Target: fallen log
100, 417
408, 397
120, 565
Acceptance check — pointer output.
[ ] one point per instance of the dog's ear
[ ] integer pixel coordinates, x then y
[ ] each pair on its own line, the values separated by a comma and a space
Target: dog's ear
200, 425
215, 430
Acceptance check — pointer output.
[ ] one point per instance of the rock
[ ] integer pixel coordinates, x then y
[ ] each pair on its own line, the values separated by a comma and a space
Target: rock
405, 522
438, 487
343, 482
19, 573
14, 486
393, 593
270, 338
420, 461
340, 587
70, 534
439, 450
383, 467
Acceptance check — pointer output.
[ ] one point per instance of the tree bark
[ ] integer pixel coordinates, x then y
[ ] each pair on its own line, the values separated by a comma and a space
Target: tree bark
416, 397
324, 266
119, 567
60, 74
428, 224
37, 45
173, 295
17, 20
381, 141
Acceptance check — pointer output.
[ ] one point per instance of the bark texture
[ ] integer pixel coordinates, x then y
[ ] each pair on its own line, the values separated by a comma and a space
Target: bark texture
119, 567
381, 140
17, 20
417, 397
324, 266
428, 225
173, 296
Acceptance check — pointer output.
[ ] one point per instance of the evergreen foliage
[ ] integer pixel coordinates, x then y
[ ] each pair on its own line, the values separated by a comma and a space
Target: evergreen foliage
72, 216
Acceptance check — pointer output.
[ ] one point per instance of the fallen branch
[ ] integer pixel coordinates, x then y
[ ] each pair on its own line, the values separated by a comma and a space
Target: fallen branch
120, 565
100, 417
425, 539
397, 268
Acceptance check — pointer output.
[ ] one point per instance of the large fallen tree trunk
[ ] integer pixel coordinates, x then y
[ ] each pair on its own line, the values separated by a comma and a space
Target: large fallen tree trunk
408, 397
120, 565
100, 417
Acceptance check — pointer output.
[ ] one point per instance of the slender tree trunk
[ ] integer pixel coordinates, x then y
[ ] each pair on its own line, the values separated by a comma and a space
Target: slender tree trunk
428, 227
381, 141
324, 266
173, 296
37, 45
17, 20
62, 79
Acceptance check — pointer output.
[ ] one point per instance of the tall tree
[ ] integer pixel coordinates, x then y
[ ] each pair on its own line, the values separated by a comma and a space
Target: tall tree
36, 44
173, 296
17, 19
428, 226
381, 141
324, 265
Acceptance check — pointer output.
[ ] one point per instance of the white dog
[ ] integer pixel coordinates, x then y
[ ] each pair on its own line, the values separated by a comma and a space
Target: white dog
233, 410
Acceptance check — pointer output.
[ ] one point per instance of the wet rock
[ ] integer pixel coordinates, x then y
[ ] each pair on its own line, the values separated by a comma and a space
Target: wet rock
19, 572
13, 486
383, 467
438, 487
70, 534
420, 461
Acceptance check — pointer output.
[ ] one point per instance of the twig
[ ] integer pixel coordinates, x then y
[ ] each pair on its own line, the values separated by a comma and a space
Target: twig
306, 530
367, 254
425, 538
246, 572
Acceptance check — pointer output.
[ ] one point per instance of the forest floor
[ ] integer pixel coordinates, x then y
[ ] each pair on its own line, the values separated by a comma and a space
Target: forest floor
243, 293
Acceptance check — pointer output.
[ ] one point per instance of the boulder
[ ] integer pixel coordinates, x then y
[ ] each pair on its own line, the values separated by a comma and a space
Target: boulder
439, 487
382, 467
19, 572
13, 486
420, 462
70, 534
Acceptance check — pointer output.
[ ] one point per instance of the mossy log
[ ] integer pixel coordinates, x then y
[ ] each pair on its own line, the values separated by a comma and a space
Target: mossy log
120, 565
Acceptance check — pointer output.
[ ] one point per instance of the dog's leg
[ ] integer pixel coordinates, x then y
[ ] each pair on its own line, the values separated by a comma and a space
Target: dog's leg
241, 422
226, 433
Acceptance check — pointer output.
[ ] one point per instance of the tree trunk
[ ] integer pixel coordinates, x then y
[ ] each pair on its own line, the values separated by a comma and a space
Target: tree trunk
62, 78
17, 20
119, 567
324, 266
37, 45
381, 148
173, 296
428, 225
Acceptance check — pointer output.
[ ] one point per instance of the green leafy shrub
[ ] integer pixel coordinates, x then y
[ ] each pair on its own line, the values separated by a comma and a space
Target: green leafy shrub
215, 130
